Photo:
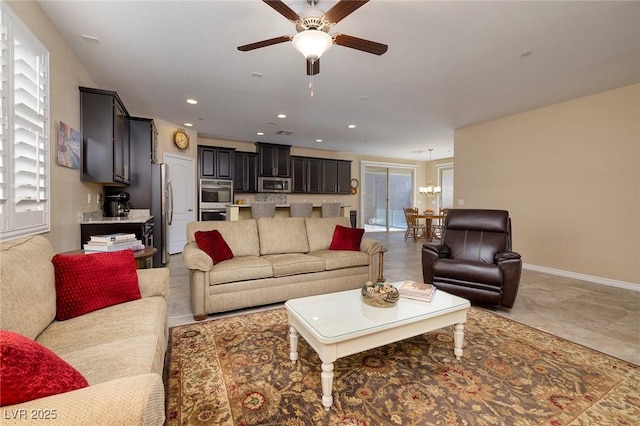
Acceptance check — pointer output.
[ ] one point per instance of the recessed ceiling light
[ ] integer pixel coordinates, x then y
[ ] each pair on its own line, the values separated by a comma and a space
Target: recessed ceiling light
188, 124
260, 133
318, 140
91, 39
351, 126
192, 101
282, 115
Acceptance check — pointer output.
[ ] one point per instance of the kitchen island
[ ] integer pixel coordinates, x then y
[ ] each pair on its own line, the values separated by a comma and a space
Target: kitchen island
243, 211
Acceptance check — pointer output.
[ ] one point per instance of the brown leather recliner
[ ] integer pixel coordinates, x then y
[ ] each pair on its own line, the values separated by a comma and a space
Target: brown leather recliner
474, 258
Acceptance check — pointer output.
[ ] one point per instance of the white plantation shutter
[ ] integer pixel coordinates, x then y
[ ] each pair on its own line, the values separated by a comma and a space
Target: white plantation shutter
24, 130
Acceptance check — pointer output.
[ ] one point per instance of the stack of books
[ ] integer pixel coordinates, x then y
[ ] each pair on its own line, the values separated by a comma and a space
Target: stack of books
417, 291
113, 242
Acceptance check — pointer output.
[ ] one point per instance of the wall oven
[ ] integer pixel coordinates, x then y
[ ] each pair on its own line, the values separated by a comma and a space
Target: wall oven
214, 196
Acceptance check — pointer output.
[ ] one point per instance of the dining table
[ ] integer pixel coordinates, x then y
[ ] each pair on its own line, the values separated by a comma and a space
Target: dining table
429, 218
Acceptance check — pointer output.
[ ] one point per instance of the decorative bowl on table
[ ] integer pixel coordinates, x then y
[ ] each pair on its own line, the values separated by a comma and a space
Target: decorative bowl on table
379, 294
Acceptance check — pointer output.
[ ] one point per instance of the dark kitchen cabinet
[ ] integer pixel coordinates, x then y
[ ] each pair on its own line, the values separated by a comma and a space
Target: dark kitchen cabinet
329, 176
306, 175
217, 163
273, 160
142, 136
104, 124
246, 172
344, 177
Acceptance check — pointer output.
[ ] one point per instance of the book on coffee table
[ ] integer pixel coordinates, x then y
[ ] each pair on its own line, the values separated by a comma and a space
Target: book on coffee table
417, 291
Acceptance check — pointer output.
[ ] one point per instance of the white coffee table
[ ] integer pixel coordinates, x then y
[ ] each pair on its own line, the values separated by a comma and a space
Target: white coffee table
339, 324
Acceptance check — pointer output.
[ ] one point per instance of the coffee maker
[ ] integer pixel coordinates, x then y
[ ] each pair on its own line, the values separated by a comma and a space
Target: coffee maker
116, 204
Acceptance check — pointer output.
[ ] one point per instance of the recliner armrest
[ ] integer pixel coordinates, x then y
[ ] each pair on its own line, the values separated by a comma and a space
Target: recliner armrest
506, 255
430, 255
440, 249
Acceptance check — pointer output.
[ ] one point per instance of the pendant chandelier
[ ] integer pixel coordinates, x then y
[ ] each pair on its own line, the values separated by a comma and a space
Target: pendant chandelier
431, 189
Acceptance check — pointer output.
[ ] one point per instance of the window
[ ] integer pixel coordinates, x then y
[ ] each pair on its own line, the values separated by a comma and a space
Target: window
24, 130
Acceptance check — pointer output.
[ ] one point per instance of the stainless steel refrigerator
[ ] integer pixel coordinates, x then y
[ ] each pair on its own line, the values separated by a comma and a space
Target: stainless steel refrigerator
161, 210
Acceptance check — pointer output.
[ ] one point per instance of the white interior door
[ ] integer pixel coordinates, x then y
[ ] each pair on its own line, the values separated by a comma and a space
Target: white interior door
181, 205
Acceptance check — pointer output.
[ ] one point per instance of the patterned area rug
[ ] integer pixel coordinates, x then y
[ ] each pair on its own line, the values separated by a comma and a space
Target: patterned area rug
236, 371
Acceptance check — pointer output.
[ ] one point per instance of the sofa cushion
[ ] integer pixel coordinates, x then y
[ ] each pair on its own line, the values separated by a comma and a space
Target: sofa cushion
282, 235
30, 371
27, 286
213, 243
240, 268
241, 236
345, 238
116, 325
294, 263
320, 231
88, 282
339, 259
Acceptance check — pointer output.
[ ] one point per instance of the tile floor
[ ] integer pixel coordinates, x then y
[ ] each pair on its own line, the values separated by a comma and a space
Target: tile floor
597, 316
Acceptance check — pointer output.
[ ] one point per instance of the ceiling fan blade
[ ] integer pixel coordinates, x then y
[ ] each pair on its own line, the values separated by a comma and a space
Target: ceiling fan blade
342, 9
263, 43
283, 9
313, 68
361, 44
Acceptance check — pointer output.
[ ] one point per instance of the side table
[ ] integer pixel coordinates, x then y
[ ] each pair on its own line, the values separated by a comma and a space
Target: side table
143, 258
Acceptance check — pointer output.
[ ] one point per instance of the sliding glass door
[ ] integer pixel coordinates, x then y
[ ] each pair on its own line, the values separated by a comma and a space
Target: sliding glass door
387, 189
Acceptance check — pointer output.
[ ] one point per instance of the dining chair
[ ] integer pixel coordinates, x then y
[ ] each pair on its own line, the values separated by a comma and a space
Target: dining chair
262, 209
414, 228
436, 228
300, 209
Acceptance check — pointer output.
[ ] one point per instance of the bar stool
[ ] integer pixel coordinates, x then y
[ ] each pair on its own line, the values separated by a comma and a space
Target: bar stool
300, 209
262, 209
331, 209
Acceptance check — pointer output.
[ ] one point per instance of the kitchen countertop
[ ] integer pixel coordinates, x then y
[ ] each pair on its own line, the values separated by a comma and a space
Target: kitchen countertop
134, 216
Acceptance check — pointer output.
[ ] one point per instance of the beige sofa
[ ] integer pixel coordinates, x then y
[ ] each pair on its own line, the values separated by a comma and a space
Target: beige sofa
119, 350
275, 259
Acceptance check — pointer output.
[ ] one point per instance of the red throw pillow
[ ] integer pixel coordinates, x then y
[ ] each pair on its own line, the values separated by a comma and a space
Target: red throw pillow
346, 238
29, 371
212, 243
88, 282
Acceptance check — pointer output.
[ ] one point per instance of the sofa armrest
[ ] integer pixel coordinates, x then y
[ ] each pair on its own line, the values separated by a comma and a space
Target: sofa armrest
370, 246
154, 282
132, 400
196, 259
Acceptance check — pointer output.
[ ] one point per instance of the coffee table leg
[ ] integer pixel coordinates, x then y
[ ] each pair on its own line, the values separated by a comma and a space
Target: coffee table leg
293, 343
458, 338
327, 384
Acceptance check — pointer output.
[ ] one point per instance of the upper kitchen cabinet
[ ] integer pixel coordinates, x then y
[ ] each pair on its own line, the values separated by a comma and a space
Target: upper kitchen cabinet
273, 160
306, 175
216, 163
344, 177
104, 123
246, 172
336, 176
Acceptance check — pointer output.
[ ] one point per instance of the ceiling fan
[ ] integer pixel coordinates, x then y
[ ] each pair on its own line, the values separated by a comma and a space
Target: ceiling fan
312, 39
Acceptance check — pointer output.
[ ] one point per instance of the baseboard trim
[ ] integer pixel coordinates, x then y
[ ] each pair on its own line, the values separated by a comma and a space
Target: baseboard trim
583, 277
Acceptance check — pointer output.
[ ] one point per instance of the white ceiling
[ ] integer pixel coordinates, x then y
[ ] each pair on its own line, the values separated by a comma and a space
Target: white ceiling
449, 65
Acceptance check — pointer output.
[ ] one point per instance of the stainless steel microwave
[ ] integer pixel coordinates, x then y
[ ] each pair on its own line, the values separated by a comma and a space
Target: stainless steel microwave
273, 184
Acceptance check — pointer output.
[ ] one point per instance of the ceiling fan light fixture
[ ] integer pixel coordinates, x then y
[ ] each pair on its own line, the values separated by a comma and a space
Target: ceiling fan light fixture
312, 43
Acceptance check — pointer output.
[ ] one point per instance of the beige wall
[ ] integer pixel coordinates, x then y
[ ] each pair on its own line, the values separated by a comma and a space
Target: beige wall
570, 176
68, 195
